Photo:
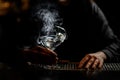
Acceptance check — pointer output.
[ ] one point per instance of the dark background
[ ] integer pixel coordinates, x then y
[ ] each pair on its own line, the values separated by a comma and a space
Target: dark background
112, 12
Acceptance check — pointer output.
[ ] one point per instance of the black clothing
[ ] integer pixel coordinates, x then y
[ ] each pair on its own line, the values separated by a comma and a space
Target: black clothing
87, 29
86, 26
89, 33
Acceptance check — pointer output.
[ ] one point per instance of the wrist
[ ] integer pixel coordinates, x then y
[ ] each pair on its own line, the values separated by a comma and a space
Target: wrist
102, 54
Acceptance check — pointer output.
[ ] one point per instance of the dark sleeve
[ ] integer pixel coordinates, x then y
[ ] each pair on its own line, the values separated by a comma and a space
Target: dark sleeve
112, 50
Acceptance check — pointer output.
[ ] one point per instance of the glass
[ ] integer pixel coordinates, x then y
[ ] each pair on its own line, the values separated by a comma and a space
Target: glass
53, 39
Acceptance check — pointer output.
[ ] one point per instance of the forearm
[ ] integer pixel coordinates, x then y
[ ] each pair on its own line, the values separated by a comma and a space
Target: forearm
112, 49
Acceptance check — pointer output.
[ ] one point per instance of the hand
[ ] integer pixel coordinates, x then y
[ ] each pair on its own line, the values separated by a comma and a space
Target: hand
40, 55
93, 61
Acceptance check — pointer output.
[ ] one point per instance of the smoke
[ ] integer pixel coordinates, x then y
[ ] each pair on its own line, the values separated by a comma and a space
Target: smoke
49, 16
49, 20
51, 33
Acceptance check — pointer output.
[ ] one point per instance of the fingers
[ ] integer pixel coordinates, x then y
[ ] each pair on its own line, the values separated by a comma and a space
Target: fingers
95, 64
41, 55
90, 62
40, 50
52, 52
83, 61
100, 65
44, 50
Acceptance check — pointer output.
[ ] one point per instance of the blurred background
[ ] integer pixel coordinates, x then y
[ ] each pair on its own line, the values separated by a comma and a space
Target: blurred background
109, 7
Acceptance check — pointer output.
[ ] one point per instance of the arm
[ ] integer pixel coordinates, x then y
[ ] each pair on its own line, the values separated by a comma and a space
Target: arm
50, 34
113, 48
111, 51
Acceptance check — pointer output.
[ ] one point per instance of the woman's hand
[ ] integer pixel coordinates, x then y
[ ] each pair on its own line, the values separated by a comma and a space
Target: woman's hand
92, 61
40, 55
